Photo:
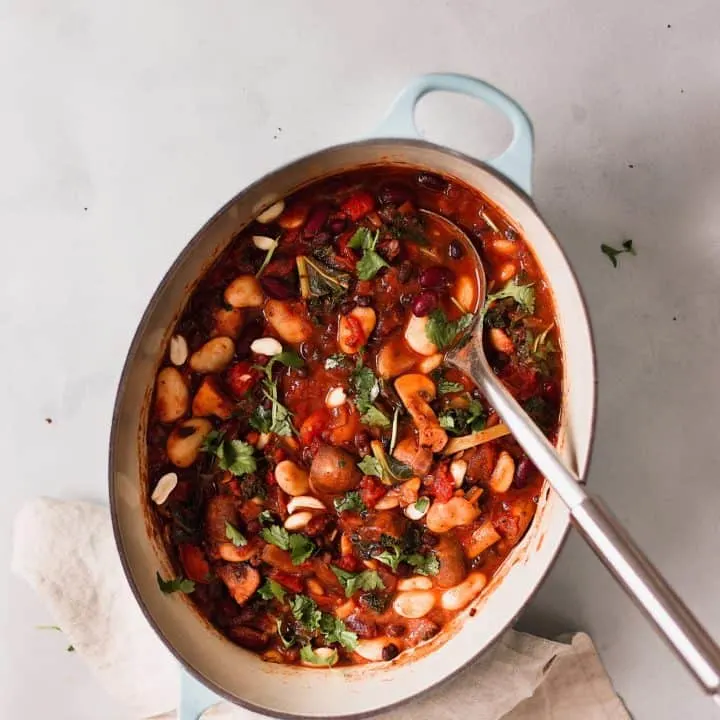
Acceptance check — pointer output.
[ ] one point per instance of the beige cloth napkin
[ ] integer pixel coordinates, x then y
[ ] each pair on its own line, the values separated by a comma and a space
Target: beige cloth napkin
81, 580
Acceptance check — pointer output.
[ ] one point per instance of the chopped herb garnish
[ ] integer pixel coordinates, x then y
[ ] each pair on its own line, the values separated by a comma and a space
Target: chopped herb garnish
612, 253
422, 504
365, 386
371, 263
278, 419
234, 535
305, 611
443, 332
335, 631
523, 295
371, 466
308, 655
353, 582
423, 564
272, 589
375, 418
463, 421
233, 455
300, 547
350, 502
390, 557
266, 518
178, 584
448, 386
337, 360
288, 641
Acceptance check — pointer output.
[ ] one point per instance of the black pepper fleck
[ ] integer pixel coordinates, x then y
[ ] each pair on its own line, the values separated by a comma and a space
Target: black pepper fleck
49, 420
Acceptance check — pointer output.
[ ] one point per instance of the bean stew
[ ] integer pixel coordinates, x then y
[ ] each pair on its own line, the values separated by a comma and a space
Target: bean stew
329, 491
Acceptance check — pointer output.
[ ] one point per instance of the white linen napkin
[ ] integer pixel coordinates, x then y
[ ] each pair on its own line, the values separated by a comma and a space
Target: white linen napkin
66, 552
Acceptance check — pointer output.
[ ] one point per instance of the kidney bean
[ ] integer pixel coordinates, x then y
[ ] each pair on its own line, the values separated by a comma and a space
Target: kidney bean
337, 224
433, 182
424, 303
436, 277
455, 249
393, 194
363, 300
390, 651
276, 288
363, 628
523, 472
316, 220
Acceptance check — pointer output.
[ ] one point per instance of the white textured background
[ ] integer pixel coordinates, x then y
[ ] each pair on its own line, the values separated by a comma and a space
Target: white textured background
124, 125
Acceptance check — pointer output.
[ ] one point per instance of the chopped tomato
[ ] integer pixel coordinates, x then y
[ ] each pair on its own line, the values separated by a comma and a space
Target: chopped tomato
313, 425
354, 335
349, 563
241, 377
358, 205
371, 490
442, 485
194, 563
291, 582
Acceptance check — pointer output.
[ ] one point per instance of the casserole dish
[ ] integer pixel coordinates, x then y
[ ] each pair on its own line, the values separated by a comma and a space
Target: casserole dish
230, 672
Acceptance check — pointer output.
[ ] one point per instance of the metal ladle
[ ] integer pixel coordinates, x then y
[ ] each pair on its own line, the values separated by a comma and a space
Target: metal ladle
600, 529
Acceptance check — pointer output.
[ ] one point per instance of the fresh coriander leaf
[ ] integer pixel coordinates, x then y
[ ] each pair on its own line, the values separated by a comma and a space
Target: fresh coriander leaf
371, 263
390, 557
261, 419
337, 360
335, 631
361, 239
237, 457
289, 358
178, 584
423, 564
272, 589
448, 386
308, 655
375, 418
301, 548
350, 502
276, 535
612, 253
305, 611
371, 466
352, 582
280, 417
447, 420
286, 641
443, 332
234, 535
365, 386
266, 518
523, 295
212, 442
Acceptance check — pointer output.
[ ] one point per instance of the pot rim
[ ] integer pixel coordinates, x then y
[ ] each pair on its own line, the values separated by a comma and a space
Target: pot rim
133, 350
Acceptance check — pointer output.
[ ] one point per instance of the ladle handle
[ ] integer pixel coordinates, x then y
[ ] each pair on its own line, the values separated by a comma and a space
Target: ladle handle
605, 535
515, 163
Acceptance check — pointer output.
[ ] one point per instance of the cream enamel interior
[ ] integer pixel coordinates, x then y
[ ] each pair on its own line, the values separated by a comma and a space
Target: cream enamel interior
238, 674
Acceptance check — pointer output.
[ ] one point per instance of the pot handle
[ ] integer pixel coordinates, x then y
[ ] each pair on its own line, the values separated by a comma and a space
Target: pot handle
195, 698
515, 163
